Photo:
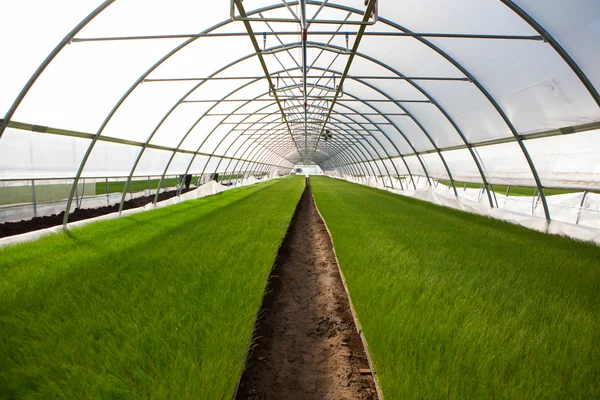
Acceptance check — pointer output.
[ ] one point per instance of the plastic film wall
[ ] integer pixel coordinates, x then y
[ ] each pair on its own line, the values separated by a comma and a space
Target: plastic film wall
484, 91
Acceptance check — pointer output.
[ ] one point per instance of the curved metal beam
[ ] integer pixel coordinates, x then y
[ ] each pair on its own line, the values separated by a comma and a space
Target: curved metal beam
556, 46
498, 108
65, 41
377, 152
483, 90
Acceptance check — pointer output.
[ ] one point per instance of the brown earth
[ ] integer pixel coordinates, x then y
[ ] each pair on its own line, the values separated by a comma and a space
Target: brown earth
307, 346
37, 223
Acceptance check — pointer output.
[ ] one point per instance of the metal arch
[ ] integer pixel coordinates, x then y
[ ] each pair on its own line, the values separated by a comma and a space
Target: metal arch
383, 133
481, 88
42, 67
260, 151
250, 136
343, 122
193, 157
363, 171
446, 115
500, 110
365, 159
270, 149
363, 163
364, 167
378, 90
249, 57
168, 114
278, 148
440, 108
362, 160
556, 46
128, 92
374, 137
335, 48
263, 108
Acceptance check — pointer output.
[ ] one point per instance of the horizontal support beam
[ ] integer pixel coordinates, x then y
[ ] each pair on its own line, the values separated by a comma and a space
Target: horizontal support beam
333, 128
341, 99
365, 77
315, 33
299, 121
511, 139
83, 135
343, 114
309, 21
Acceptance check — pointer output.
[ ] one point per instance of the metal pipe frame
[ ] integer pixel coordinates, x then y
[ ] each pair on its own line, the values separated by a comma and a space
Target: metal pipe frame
65, 41
225, 136
364, 77
342, 137
432, 35
235, 167
360, 163
446, 115
385, 135
488, 96
402, 32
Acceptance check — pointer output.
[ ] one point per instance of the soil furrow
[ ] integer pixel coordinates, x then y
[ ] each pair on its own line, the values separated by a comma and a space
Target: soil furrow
307, 346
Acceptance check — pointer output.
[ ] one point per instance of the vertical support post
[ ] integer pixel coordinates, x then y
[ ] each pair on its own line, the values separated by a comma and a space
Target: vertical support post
131, 190
77, 196
585, 193
536, 198
149, 186
82, 193
33, 198
107, 193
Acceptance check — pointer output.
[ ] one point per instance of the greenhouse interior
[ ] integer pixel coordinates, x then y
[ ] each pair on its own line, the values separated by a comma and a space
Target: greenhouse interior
300, 199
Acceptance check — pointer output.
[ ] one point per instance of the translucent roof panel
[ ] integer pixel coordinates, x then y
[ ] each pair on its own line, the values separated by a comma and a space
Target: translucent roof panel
483, 91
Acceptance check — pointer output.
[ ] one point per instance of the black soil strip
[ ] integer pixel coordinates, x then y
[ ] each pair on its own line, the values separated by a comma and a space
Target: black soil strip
37, 223
307, 346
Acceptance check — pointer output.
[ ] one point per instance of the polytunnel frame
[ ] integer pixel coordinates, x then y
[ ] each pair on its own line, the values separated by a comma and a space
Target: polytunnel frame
421, 37
345, 122
210, 134
346, 140
277, 148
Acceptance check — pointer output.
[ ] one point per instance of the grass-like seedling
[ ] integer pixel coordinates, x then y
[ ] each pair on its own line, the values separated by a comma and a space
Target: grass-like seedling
456, 305
160, 304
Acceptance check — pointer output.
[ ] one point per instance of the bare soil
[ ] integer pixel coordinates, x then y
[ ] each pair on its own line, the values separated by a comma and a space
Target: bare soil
37, 223
307, 346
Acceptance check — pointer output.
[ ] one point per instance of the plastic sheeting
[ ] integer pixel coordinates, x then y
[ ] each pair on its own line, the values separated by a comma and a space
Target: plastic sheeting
499, 91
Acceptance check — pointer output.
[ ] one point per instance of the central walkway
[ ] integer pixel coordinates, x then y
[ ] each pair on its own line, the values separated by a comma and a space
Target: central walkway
307, 345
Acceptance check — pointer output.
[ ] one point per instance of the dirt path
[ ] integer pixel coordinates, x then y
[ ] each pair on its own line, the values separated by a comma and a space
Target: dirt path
307, 346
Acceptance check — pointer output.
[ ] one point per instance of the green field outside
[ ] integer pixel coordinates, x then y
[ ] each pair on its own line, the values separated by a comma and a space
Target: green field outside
455, 305
136, 185
514, 190
141, 185
159, 305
